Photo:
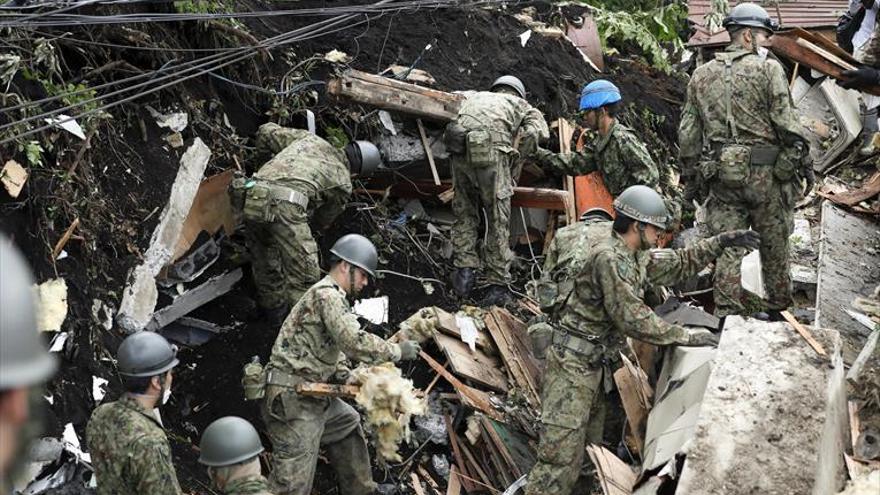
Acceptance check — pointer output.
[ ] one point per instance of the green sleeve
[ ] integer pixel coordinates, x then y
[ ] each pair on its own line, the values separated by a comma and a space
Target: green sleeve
151, 468
690, 135
671, 266
634, 155
615, 276
785, 120
574, 163
343, 327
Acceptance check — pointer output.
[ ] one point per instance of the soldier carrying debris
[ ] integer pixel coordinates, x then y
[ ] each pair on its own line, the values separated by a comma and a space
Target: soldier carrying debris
24, 363
230, 448
307, 181
604, 305
129, 448
320, 331
493, 130
744, 149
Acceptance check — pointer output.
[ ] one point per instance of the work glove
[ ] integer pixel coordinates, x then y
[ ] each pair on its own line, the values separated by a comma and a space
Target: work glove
860, 78
542, 337
700, 337
409, 350
748, 239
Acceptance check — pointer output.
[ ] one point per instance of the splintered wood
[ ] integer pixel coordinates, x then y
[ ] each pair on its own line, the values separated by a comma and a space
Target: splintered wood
515, 347
615, 477
636, 396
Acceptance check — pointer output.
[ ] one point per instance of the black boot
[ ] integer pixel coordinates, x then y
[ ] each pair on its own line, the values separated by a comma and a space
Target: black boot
276, 316
497, 295
463, 281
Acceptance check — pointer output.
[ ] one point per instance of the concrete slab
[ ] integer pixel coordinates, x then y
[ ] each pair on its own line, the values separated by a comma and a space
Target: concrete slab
773, 418
849, 267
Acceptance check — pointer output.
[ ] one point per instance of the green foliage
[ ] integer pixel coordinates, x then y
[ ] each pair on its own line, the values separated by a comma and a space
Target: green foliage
652, 29
33, 151
200, 6
336, 136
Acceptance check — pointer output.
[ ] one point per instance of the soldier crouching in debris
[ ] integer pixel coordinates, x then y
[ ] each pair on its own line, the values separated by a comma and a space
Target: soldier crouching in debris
320, 331
307, 181
493, 129
230, 448
744, 150
605, 304
562, 262
24, 363
129, 448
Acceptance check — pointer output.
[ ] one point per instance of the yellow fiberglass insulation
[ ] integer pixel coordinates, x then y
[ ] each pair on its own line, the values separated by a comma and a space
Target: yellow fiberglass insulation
390, 401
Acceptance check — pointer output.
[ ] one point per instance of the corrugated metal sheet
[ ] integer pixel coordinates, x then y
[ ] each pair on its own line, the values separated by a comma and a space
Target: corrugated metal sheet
805, 14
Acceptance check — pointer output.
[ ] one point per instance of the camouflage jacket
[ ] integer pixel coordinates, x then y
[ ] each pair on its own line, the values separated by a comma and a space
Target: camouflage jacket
567, 249
607, 299
760, 101
504, 116
871, 51
622, 159
321, 331
251, 485
130, 451
310, 165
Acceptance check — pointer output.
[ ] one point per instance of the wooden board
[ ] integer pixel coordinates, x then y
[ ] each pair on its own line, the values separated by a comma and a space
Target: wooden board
586, 38
615, 476
455, 483
477, 366
636, 395
396, 96
474, 398
211, 210
448, 326
458, 456
514, 345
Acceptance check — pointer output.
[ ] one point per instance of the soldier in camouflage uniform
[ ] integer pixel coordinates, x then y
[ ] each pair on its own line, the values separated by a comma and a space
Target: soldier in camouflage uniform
308, 181
130, 452
869, 74
230, 447
743, 146
492, 131
24, 362
562, 261
320, 332
604, 306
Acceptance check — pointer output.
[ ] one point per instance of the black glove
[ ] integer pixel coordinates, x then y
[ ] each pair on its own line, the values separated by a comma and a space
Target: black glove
860, 78
810, 177
748, 239
409, 350
700, 337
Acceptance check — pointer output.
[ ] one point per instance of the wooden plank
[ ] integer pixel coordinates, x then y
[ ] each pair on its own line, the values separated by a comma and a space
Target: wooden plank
59, 246
457, 454
313, 389
804, 333
435, 380
455, 483
500, 447
855, 426
416, 484
477, 366
515, 352
211, 211
428, 152
586, 38
615, 476
869, 189
852, 376
635, 394
477, 398
396, 96
428, 478
469, 455
448, 325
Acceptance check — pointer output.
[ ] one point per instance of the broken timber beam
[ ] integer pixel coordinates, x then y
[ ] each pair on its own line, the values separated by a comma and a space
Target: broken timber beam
355, 86
526, 197
478, 398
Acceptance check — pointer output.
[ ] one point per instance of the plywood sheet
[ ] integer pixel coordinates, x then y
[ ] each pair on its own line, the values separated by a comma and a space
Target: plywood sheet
477, 366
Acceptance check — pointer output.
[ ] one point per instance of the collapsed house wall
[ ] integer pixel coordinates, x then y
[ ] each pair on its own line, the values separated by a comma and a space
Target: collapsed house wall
773, 419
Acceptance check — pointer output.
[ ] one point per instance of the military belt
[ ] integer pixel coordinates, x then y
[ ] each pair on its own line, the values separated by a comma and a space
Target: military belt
759, 155
282, 379
578, 345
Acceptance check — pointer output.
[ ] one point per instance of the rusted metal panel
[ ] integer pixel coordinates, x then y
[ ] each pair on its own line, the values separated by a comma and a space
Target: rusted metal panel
806, 14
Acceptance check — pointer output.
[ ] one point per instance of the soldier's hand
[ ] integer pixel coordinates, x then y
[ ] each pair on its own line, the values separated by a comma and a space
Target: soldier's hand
409, 350
748, 239
860, 78
700, 337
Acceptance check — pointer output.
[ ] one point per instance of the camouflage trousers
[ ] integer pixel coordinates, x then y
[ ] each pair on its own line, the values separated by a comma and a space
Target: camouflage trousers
767, 206
482, 189
299, 427
572, 414
284, 256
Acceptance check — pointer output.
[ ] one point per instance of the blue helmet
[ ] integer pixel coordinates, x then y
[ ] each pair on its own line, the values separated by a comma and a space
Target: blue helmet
599, 93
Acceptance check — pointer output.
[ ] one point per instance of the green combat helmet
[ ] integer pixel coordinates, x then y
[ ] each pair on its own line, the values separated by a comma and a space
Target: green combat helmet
748, 14
510, 82
642, 204
229, 440
146, 354
357, 250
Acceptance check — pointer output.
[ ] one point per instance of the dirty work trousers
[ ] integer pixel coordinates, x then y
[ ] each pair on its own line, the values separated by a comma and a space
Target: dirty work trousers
572, 414
767, 206
477, 189
299, 427
284, 255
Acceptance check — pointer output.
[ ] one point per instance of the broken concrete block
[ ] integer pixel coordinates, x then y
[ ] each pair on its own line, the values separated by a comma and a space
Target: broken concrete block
140, 296
773, 418
849, 267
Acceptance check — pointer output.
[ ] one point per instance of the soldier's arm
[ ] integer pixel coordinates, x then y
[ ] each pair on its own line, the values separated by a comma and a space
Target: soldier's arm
782, 113
627, 310
575, 163
690, 137
552, 256
635, 156
275, 138
151, 467
345, 330
334, 204
671, 266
